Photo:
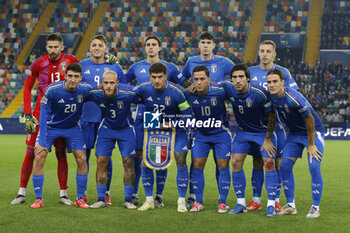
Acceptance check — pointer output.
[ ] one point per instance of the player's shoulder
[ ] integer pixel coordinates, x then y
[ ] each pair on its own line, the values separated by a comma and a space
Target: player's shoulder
143, 85
97, 92
53, 87
86, 61
176, 89
126, 89
293, 96
70, 57
169, 65
259, 92
254, 68
222, 59
283, 69
194, 59
217, 87
84, 85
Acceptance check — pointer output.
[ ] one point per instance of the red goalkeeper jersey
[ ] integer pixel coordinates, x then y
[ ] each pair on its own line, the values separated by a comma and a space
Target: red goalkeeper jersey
47, 72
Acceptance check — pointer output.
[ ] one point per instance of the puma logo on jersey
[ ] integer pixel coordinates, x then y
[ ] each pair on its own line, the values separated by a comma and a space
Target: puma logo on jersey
143, 71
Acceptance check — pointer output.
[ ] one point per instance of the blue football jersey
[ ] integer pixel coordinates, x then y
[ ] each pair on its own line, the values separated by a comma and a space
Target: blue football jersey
219, 67
258, 76
60, 108
171, 102
140, 72
250, 108
93, 74
116, 113
293, 107
210, 106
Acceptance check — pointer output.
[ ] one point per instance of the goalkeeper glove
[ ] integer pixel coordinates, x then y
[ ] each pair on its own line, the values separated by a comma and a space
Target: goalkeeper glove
30, 123
110, 58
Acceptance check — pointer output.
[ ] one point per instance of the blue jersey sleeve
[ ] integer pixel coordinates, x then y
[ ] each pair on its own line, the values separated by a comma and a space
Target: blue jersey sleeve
130, 75
186, 70
45, 109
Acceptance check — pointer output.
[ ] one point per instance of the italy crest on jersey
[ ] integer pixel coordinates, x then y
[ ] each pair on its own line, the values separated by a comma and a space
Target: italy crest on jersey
167, 100
80, 98
158, 149
249, 103
213, 101
63, 65
213, 68
120, 104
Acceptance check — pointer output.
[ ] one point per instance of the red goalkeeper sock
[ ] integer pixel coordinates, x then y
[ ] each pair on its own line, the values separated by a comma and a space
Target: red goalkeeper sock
27, 167
62, 168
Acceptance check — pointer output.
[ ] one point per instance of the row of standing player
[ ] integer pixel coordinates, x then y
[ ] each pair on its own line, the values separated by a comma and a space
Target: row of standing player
218, 66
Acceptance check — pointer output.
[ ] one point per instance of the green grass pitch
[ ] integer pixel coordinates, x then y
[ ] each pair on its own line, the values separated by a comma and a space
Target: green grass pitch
54, 217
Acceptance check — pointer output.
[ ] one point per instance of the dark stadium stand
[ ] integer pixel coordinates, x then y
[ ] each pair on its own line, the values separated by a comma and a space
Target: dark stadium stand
335, 31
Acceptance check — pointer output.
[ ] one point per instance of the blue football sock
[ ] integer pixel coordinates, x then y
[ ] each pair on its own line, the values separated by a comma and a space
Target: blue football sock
161, 176
81, 184
109, 173
190, 182
279, 183
182, 181
137, 167
257, 181
271, 184
128, 192
38, 182
88, 153
224, 184
198, 183
101, 192
147, 180
288, 178
239, 183
316, 181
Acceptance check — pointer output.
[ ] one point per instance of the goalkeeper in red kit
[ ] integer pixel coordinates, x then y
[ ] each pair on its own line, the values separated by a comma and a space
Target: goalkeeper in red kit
46, 69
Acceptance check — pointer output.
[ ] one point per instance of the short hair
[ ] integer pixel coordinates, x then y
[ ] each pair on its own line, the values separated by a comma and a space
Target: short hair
74, 67
158, 68
54, 37
206, 36
99, 37
111, 72
270, 42
241, 67
276, 71
201, 68
155, 38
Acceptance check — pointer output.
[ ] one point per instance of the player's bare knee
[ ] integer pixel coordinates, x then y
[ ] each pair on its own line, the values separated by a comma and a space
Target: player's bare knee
258, 162
223, 163
128, 163
180, 158
269, 164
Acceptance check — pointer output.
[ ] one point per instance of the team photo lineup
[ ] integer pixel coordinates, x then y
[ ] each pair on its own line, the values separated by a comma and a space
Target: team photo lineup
90, 104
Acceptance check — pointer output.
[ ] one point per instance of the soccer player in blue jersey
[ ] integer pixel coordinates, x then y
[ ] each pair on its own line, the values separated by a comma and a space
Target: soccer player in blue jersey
305, 130
114, 101
93, 70
61, 109
168, 99
219, 67
140, 72
208, 104
256, 120
258, 73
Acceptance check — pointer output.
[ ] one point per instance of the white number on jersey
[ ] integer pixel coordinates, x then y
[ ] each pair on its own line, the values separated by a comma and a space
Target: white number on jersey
205, 111
97, 80
113, 113
240, 109
70, 108
55, 77
158, 107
